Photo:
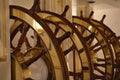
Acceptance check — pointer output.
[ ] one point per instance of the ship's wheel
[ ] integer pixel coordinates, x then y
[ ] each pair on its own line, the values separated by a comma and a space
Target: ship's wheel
113, 41
99, 48
71, 42
29, 45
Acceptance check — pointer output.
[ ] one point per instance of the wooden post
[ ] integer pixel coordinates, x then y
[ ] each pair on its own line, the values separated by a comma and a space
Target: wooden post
4, 40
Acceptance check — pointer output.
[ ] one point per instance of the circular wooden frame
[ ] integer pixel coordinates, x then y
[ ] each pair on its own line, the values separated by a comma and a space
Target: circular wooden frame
24, 15
102, 44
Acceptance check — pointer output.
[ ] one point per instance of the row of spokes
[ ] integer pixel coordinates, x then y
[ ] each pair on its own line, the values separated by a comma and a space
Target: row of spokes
85, 49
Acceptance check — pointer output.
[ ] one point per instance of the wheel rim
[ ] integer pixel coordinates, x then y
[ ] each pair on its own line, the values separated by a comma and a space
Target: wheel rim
95, 33
55, 57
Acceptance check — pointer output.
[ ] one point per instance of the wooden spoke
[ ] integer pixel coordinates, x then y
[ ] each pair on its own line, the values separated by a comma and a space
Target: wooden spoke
99, 70
99, 77
82, 30
97, 49
26, 40
56, 30
95, 45
27, 43
90, 41
81, 50
66, 35
28, 62
100, 59
22, 39
69, 50
65, 11
89, 37
99, 64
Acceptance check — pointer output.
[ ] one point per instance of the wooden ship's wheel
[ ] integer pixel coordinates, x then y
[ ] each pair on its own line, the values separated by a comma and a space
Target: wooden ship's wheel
25, 53
73, 43
99, 48
113, 41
